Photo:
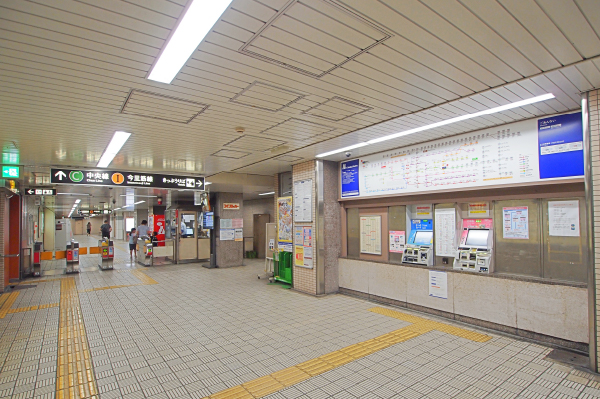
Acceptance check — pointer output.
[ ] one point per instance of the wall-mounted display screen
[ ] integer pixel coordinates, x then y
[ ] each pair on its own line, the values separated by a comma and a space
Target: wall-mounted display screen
520, 152
477, 238
208, 220
423, 237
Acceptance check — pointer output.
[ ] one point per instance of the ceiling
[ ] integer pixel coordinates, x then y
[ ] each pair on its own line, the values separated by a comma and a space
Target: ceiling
301, 77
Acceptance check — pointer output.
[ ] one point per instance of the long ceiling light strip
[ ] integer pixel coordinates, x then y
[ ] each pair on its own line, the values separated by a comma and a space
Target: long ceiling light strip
501, 108
198, 20
113, 148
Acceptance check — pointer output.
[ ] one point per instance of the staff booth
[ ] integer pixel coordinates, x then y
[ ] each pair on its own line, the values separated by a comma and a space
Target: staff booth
191, 233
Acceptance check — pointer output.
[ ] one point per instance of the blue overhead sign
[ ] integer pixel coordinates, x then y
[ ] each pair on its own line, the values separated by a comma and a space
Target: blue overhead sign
560, 141
350, 186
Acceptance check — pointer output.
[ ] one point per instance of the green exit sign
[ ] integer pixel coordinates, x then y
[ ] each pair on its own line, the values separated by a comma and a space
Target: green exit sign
11, 172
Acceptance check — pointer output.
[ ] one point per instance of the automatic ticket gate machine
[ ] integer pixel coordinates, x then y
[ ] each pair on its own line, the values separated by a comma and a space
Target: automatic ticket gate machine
72, 256
474, 253
144, 252
419, 249
37, 259
107, 254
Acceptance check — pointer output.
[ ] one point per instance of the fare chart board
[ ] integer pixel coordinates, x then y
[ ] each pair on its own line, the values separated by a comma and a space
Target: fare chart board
520, 152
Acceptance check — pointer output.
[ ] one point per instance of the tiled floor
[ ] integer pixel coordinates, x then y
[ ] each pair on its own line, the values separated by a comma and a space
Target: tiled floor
186, 331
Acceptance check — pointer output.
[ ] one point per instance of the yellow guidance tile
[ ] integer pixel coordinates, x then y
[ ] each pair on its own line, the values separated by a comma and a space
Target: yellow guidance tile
7, 300
421, 325
75, 377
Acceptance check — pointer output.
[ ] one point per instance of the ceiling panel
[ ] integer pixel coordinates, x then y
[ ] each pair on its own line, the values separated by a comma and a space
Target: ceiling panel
301, 77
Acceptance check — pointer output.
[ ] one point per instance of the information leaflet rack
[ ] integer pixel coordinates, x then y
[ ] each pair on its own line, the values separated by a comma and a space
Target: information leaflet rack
144, 251
72, 257
107, 254
474, 253
419, 249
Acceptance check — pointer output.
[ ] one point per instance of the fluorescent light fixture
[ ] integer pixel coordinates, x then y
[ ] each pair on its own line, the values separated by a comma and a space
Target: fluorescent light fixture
198, 20
71, 194
139, 202
326, 154
113, 148
77, 201
144, 196
116, 209
445, 122
206, 183
269, 193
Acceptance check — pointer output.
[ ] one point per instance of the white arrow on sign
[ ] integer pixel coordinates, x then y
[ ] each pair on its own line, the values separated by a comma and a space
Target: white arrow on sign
60, 174
199, 183
30, 191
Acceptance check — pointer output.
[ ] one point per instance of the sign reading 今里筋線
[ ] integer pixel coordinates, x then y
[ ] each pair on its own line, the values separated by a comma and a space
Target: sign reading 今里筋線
128, 179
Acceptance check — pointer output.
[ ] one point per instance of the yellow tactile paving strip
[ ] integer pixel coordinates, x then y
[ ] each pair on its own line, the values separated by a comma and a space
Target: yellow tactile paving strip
279, 380
34, 307
6, 302
423, 325
143, 277
74, 374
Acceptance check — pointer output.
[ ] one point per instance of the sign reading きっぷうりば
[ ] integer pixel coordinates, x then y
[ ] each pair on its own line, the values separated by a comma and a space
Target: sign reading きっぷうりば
129, 179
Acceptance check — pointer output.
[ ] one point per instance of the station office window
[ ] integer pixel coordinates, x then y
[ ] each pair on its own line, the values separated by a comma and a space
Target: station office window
552, 251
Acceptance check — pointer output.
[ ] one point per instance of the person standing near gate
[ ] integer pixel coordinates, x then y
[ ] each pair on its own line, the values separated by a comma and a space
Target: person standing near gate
142, 229
89, 228
105, 229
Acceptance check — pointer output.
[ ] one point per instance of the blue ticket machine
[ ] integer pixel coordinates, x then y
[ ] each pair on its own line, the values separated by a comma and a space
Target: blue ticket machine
419, 249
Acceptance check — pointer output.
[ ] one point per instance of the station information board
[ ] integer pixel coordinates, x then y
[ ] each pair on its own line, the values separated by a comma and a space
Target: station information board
126, 179
520, 152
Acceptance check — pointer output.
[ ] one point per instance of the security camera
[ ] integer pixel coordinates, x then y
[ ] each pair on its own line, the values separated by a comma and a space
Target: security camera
348, 154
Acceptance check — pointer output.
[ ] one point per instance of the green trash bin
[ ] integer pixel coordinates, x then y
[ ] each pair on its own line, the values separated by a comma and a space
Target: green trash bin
284, 268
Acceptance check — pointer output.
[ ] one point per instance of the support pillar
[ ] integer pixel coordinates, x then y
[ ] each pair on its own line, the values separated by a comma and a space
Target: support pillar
228, 253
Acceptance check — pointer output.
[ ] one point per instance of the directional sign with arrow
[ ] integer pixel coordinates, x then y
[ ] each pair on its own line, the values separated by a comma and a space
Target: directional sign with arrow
129, 179
40, 191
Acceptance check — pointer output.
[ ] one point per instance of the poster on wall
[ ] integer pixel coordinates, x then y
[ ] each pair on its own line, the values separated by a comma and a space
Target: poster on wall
303, 201
159, 227
563, 218
516, 153
445, 232
370, 235
227, 235
239, 234
237, 223
299, 256
397, 241
308, 257
515, 222
226, 223
307, 236
438, 284
298, 235
284, 219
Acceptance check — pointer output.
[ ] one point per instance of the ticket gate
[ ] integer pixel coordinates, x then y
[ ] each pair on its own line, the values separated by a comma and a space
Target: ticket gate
72, 257
107, 254
37, 259
144, 251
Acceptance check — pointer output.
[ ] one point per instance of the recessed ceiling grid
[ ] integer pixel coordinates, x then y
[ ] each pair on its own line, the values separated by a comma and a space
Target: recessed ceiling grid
254, 143
157, 106
65, 72
266, 97
295, 129
335, 36
336, 109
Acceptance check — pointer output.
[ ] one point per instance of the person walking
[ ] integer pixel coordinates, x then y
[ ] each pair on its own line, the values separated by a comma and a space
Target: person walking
133, 244
142, 229
105, 229
89, 228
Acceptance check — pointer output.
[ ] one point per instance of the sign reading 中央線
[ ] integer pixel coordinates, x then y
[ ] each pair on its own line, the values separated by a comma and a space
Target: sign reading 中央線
40, 191
129, 179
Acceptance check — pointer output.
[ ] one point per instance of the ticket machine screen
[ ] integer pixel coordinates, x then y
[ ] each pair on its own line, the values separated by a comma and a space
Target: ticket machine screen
477, 238
423, 237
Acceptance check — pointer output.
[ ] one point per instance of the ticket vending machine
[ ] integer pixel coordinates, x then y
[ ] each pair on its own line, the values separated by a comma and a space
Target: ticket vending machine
474, 253
419, 249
